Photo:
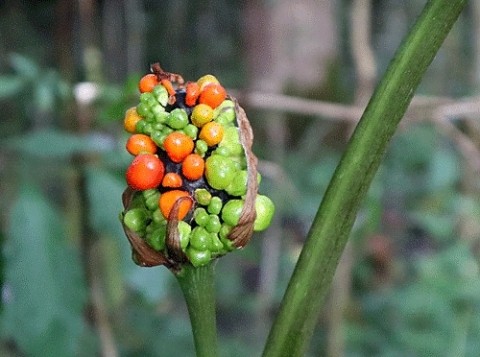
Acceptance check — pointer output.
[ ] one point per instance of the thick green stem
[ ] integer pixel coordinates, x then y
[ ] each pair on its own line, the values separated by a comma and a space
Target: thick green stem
198, 286
326, 240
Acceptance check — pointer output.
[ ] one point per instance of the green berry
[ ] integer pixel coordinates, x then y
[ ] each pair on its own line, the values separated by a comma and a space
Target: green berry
231, 212
184, 230
157, 217
198, 257
201, 147
151, 199
177, 119
238, 186
219, 171
225, 113
215, 205
143, 109
161, 94
156, 239
136, 219
158, 137
191, 131
201, 216
215, 244
225, 231
265, 210
200, 238
213, 224
202, 196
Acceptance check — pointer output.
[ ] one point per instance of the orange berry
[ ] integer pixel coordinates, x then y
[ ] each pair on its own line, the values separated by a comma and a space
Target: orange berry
140, 143
178, 145
211, 133
147, 83
193, 167
192, 91
131, 119
172, 180
168, 199
213, 95
168, 86
201, 114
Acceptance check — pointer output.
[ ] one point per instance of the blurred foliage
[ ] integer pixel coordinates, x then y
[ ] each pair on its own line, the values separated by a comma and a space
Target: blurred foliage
415, 285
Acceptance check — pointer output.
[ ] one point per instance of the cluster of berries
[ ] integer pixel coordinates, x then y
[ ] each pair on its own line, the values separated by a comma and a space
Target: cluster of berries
189, 166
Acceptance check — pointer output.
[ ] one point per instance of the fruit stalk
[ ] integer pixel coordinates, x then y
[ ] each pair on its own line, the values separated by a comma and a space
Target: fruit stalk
198, 287
328, 235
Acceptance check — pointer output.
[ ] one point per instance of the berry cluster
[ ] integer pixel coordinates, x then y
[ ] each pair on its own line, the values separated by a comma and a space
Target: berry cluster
190, 177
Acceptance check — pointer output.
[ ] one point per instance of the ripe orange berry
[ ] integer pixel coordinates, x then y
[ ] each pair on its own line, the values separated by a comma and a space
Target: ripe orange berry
167, 201
131, 119
192, 91
145, 172
201, 114
213, 95
178, 145
172, 179
212, 133
140, 143
147, 83
168, 86
193, 167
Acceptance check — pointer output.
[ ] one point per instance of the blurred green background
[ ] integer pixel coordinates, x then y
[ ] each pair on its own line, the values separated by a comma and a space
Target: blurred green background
408, 283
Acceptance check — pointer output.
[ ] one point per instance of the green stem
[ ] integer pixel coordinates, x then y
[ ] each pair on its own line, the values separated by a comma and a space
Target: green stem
198, 286
326, 240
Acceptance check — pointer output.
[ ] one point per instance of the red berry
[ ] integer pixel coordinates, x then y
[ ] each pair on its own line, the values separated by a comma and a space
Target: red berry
145, 172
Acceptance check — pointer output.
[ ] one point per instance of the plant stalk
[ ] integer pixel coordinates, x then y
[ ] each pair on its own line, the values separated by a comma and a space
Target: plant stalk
299, 311
198, 286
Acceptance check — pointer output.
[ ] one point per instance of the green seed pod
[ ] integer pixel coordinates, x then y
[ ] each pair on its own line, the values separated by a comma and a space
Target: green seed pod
200, 238
219, 171
136, 219
177, 119
265, 210
201, 216
231, 212
198, 257
213, 224
184, 230
215, 205
156, 239
161, 94
202, 196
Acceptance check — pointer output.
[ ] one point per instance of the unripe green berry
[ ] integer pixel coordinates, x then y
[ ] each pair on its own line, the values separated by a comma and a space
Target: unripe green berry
136, 219
151, 199
215, 244
215, 205
161, 117
201, 216
219, 171
191, 131
156, 239
213, 224
201, 147
265, 210
198, 257
177, 119
143, 109
200, 238
161, 94
158, 217
202, 196
231, 212
184, 230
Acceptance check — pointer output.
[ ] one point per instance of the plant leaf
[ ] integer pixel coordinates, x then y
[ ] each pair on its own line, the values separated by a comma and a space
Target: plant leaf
45, 289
